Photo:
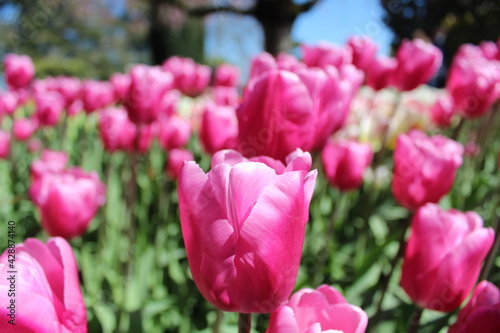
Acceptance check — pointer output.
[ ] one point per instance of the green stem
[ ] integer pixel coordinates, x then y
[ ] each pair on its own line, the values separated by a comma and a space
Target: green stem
219, 316
387, 278
414, 323
380, 154
244, 322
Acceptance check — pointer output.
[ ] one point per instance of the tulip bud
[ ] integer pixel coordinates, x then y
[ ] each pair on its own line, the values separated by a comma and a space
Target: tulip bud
116, 130
344, 163
243, 226
19, 70
49, 107
174, 133
47, 291
380, 72
442, 111
147, 89
324, 54
418, 62
68, 201
189, 77
473, 82
482, 312
9, 101
219, 128
363, 51
24, 128
121, 85
424, 168
226, 75
176, 160
96, 95
320, 310
443, 257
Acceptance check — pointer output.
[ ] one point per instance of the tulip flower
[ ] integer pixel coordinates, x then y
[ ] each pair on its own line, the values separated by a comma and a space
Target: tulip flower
19, 70
344, 163
473, 83
47, 293
219, 128
442, 111
147, 88
443, 257
190, 78
226, 76
243, 226
121, 85
324, 54
68, 201
116, 130
49, 107
418, 62
482, 312
226, 96
69, 88
4, 144
96, 95
174, 133
424, 168
316, 311
283, 110
363, 51
50, 163
380, 72
9, 101
24, 128
176, 160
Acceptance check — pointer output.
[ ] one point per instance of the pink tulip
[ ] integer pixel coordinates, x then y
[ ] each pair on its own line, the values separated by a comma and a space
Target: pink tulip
48, 296
380, 72
169, 104
243, 226
265, 62
51, 163
474, 83
418, 62
19, 70
69, 88
116, 130
96, 95
176, 160
226, 76
4, 144
482, 312
489, 50
442, 111
344, 163
219, 128
49, 107
316, 311
68, 201
443, 257
121, 85
363, 51
9, 101
424, 168
190, 78
324, 54
282, 111
24, 128
174, 133
147, 89
226, 96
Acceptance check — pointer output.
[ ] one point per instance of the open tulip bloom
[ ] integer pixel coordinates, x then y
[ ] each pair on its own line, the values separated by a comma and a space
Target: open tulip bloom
47, 293
243, 226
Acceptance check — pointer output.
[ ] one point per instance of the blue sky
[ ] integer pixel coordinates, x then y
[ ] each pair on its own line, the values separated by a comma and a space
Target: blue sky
237, 39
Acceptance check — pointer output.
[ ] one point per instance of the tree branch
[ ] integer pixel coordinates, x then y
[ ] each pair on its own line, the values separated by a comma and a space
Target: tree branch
203, 11
308, 5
